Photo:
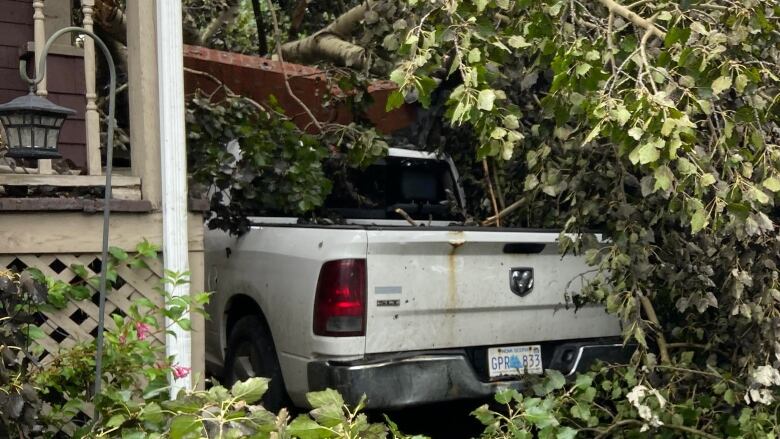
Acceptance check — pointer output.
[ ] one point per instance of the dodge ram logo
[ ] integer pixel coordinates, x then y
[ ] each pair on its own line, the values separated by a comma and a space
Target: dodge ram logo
521, 280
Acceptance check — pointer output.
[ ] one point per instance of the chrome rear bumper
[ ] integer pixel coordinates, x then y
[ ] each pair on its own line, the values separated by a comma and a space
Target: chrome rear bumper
407, 379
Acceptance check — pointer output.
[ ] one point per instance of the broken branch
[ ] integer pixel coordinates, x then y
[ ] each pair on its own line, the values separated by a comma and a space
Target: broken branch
278, 39
626, 13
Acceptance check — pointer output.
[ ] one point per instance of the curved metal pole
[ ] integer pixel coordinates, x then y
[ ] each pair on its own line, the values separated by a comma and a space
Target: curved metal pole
39, 74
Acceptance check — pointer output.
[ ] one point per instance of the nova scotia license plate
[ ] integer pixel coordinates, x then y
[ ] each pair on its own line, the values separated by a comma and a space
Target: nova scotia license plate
514, 360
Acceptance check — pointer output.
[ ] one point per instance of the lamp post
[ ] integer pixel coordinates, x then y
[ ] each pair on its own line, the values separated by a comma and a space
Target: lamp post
32, 126
24, 119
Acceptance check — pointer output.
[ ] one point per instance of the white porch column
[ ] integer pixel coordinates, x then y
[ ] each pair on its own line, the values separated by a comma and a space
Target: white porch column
170, 68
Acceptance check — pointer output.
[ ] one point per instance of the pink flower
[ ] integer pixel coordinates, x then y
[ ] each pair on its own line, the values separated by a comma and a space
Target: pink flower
142, 330
180, 371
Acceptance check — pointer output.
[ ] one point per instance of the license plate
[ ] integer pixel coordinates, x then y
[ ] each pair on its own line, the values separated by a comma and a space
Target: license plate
514, 360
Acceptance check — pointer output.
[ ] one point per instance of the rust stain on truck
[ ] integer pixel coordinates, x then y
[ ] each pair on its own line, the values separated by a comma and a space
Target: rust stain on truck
456, 240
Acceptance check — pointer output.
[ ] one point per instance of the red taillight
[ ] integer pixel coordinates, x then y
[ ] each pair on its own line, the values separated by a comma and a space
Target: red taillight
340, 303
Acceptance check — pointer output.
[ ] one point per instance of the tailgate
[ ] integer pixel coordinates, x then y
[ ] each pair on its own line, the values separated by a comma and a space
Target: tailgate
434, 289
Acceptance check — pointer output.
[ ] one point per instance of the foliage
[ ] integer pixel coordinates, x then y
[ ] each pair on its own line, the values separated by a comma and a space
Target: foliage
20, 404
231, 413
238, 35
133, 359
254, 161
134, 400
658, 128
655, 123
621, 401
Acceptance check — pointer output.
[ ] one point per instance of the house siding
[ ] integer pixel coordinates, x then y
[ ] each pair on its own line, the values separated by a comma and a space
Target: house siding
65, 82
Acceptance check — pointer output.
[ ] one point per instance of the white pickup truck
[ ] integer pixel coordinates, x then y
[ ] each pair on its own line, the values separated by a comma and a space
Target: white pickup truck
405, 314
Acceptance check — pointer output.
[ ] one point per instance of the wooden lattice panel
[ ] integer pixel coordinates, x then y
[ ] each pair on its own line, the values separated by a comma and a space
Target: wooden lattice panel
79, 319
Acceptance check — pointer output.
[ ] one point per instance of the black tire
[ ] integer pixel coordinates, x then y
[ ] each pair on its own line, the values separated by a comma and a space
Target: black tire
251, 353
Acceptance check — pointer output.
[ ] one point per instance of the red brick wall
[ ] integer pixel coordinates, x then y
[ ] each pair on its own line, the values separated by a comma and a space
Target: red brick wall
259, 78
65, 75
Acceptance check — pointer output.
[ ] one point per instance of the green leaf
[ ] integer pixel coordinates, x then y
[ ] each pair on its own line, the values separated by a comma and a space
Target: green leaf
481, 4
582, 69
485, 99
636, 133
593, 55
644, 154
118, 253
721, 84
758, 195
398, 76
484, 415
517, 42
304, 427
772, 183
580, 412
251, 390
504, 396
698, 221
741, 83
707, 179
663, 178
729, 397
35, 333
325, 397
498, 133
566, 433
329, 415
531, 181
557, 380
394, 100
115, 421
511, 122
475, 55
639, 335
80, 271
540, 417
183, 425
460, 111
621, 115
592, 134
685, 166
583, 381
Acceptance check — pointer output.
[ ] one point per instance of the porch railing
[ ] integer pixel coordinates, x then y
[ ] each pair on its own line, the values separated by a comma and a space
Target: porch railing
142, 179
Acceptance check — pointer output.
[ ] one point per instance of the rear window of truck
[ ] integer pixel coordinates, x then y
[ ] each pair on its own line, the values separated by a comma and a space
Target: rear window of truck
425, 189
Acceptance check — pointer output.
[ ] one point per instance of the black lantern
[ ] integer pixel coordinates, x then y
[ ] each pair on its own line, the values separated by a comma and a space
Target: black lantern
32, 126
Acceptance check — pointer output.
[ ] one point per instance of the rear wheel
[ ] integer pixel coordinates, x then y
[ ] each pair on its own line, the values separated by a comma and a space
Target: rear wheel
251, 353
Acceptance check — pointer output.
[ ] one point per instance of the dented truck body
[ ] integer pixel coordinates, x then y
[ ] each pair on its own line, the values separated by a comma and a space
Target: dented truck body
435, 312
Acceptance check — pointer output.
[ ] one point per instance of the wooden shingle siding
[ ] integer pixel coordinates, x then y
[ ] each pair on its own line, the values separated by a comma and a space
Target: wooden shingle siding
65, 75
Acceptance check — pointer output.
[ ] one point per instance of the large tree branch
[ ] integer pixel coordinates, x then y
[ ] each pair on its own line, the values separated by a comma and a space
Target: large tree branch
626, 13
227, 15
330, 43
324, 46
111, 19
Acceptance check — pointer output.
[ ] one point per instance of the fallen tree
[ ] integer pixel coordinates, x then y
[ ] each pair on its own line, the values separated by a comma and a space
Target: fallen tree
654, 122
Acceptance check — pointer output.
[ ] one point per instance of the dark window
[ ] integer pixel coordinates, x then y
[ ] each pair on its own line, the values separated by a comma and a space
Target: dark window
424, 189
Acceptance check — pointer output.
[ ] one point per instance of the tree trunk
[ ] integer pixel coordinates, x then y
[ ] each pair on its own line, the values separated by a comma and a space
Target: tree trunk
330, 43
226, 16
262, 42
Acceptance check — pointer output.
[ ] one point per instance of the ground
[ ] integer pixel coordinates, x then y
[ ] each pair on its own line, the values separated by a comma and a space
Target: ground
451, 420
